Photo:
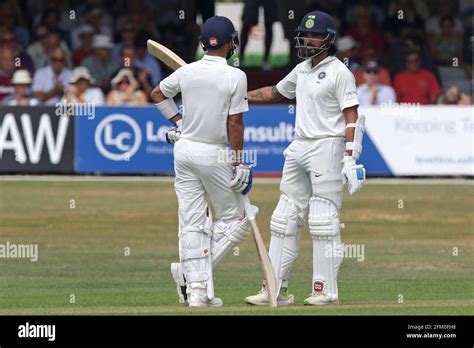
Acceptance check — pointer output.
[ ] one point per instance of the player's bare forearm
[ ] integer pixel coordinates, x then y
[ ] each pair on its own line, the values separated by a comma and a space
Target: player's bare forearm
157, 96
350, 115
265, 95
235, 131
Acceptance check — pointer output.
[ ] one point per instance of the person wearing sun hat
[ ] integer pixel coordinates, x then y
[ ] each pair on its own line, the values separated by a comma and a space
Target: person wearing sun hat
81, 90
125, 90
22, 96
100, 63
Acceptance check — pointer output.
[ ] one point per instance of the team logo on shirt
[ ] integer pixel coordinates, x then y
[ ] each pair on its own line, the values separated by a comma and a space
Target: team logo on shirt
213, 41
322, 75
309, 23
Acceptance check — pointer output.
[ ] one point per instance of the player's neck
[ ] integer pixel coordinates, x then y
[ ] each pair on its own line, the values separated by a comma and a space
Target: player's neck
318, 59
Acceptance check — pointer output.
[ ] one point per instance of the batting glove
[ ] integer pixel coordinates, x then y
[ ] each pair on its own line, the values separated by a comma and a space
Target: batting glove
173, 134
242, 178
353, 174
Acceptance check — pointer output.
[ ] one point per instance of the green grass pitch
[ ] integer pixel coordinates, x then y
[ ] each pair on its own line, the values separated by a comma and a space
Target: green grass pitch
418, 242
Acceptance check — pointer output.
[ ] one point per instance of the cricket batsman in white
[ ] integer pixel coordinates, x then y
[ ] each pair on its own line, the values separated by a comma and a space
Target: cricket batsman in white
214, 97
322, 157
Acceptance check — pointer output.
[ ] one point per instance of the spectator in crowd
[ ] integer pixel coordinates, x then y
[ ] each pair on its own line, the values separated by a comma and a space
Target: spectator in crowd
414, 84
81, 90
125, 90
445, 8
37, 47
98, 19
142, 75
395, 55
8, 40
365, 34
21, 81
7, 67
372, 92
10, 14
145, 60
39, 50
453, 96
403, 16
250, 19
51, 18
384, 74
347, 52
447, 44
86, 34
100, 63
51, 82
128, 36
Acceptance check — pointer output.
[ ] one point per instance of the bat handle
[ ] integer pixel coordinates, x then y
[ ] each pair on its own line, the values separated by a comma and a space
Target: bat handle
248, 208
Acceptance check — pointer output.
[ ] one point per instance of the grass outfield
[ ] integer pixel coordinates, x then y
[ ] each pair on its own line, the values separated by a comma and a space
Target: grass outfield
408, 251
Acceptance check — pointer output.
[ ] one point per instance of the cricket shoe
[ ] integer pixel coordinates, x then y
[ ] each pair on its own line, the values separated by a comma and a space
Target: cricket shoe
321, 300
180, 281
198, 298
261, 299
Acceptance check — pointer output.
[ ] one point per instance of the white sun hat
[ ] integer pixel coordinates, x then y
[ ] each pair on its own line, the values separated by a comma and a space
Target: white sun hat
21, 77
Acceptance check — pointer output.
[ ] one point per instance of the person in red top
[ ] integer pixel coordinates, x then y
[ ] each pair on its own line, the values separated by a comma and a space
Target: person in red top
365, 34
414, 84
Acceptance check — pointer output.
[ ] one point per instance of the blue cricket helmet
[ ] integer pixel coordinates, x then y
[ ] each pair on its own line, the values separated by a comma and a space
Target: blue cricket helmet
216, 31
317, 22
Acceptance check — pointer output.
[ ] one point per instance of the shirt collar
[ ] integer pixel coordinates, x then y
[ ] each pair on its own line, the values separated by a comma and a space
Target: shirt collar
215, 59
324, 61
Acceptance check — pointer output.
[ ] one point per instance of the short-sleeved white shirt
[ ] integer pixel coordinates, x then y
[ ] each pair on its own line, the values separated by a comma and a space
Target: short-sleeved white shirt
321, 94
45, 79
211, 91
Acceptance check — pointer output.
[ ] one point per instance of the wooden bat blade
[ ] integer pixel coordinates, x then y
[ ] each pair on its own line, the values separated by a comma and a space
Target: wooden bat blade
269, 276
270, 281
164, 54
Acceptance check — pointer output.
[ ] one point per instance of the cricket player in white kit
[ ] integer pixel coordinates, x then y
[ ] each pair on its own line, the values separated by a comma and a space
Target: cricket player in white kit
214, 100
317, 163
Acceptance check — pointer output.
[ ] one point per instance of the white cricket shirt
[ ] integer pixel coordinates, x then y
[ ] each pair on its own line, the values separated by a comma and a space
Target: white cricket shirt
211, 91
321, 94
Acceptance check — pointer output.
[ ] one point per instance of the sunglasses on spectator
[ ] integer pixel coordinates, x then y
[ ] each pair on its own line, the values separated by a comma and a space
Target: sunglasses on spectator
55, 59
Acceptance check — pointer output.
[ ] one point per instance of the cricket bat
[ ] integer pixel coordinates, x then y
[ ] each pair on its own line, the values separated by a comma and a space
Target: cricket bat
173, 61
164, 54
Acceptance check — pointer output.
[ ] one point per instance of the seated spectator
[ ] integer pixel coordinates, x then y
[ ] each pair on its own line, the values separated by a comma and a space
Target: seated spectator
359, 73
22, 96
7, 39
446, 45
125, 90
80, 90
10, 15
50, 41
445, 8
51, 19
86, 34
347, 52
100, 64
365, 34
144, 60
372, 92
414, 84
143, 75
453, 96
7, 67
50, 82
128, 35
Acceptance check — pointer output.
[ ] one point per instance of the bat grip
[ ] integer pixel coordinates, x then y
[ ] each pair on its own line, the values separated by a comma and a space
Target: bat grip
248, 208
